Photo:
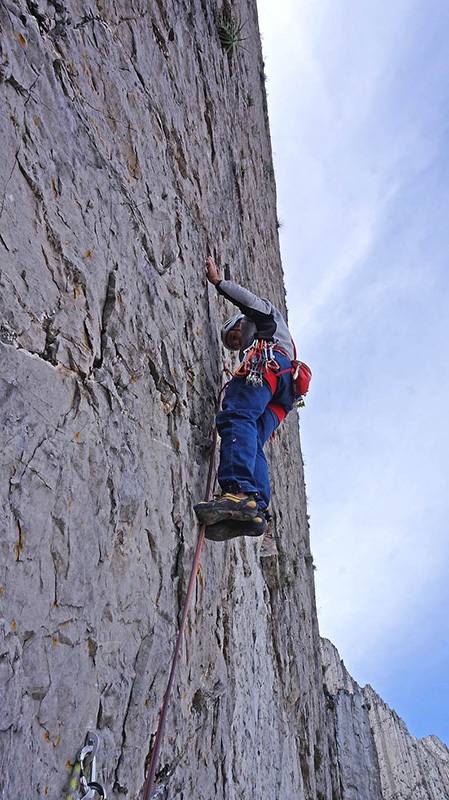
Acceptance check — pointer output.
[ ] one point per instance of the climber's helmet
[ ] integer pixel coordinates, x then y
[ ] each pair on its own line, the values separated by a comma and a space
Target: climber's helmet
230, 332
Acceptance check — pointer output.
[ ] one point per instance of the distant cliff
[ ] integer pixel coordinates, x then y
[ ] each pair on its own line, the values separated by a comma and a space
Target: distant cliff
374, 754
134, 140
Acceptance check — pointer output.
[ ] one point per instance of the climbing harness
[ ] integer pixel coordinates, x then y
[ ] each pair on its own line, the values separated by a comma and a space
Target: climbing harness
149, 783
259, 364
80, 788
258, 361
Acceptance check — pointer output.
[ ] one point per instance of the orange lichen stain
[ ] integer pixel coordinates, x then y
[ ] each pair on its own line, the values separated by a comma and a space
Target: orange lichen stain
88, 254
46, 790
14, 625
47, 736
119, 298
68, 765
94, 124
58, 741
64, 624
20, 544
82, 522
200, 575
53, 186
21, 39
147, 703
1, 590
55, 605
86, 72
131, 379
76, 437
77, 289
69, 504
54, 641
176, 444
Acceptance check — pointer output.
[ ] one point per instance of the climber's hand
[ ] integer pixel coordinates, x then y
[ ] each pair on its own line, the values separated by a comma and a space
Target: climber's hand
211, 271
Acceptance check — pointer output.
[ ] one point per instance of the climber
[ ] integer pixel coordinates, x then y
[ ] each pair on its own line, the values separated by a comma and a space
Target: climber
257, 399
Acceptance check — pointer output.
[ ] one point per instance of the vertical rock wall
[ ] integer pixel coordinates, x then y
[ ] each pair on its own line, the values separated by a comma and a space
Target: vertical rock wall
132, 145
375, 757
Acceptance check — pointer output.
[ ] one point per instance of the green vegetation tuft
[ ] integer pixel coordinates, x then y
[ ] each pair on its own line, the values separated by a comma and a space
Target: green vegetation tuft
230, 30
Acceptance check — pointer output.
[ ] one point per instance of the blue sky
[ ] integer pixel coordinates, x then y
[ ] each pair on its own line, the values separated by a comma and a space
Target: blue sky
358, 95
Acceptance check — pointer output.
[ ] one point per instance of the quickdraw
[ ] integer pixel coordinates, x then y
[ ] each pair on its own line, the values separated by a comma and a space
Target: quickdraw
80, 788
258, 360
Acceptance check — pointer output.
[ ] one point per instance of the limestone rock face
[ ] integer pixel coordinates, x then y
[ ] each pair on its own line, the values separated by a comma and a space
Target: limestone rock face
133, 145
355, 761
375, 755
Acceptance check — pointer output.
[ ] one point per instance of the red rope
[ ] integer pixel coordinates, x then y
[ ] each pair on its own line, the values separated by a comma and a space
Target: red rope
149, 783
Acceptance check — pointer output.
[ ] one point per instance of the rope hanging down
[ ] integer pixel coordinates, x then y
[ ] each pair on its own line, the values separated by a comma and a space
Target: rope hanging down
149, 783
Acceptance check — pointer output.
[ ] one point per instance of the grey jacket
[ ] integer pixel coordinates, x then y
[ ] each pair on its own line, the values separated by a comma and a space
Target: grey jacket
261, 319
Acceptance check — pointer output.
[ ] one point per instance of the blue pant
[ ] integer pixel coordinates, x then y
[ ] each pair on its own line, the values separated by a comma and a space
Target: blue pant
244, 425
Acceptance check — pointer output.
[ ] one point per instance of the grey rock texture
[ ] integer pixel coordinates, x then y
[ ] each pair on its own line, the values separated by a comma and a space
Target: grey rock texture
374, 754
132, 145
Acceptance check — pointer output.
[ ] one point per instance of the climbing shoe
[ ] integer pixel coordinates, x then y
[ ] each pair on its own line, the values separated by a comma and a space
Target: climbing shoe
228, 506
230, 529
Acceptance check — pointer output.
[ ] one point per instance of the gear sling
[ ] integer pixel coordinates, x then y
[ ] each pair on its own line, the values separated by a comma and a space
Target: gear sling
260, 362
